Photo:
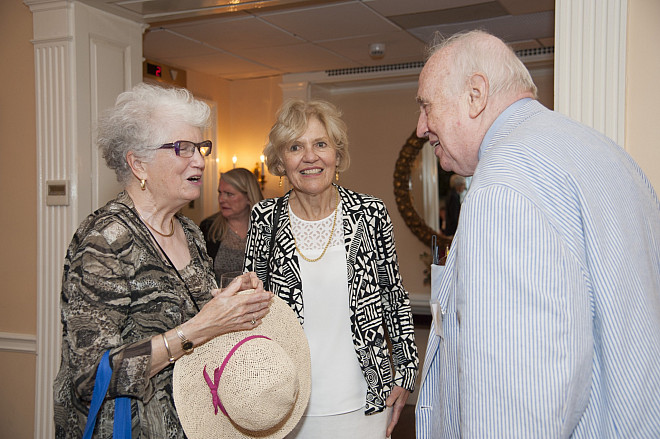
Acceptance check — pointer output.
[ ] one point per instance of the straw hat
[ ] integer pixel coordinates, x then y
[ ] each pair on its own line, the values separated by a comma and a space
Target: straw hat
262, 377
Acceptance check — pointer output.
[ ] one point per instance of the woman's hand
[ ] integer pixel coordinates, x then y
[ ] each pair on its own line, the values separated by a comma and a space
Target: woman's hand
245, 281
229, 310
396, 400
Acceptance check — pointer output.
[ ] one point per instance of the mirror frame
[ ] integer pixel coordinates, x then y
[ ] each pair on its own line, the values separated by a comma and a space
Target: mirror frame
402, 171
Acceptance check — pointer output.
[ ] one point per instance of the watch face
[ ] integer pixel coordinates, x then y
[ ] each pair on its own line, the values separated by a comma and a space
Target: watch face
187, 346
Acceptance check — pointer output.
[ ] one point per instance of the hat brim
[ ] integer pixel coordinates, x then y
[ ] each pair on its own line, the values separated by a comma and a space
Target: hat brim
192, 397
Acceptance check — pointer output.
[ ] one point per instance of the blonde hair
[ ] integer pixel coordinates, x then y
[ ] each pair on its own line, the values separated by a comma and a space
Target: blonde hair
246, 183
291, 123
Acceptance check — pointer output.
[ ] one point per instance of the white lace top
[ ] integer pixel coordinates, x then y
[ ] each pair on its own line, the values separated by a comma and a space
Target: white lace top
338, 385
311, 236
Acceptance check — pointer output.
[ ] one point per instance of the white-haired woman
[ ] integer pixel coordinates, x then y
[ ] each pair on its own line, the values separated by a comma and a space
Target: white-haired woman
137, 280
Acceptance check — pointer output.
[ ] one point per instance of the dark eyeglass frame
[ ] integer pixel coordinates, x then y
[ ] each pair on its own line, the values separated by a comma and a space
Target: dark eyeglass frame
206, 145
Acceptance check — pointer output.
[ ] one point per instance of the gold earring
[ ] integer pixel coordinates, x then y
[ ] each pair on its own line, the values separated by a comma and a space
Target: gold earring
337, 175
143, 183
280, 181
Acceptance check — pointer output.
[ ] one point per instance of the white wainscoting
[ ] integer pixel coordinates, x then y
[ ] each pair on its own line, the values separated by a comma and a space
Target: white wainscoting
13, 342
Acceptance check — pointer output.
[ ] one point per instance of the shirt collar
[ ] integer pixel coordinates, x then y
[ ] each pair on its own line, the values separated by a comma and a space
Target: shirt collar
501, 119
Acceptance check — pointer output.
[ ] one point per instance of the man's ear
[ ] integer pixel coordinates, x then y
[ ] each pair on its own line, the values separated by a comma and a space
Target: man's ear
136, 165
478, 96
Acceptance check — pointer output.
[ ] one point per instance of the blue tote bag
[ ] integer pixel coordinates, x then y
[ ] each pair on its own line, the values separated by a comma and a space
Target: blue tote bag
122, 423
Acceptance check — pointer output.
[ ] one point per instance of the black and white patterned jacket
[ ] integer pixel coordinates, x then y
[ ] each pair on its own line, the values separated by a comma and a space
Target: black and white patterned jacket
377, 300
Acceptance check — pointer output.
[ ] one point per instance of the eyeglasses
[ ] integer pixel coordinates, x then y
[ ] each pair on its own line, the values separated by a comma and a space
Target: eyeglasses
186, 148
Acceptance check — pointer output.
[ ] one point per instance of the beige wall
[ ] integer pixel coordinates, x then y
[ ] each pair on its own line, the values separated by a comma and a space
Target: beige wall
18, 222
642, 93
379, 123
245, 113
17, 390
253, 107
246, 110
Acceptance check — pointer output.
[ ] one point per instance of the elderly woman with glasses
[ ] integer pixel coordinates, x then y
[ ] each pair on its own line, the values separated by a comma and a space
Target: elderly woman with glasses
137, 280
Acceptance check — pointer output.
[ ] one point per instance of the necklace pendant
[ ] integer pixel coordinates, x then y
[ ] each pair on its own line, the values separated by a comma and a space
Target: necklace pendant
165, 235
327, 244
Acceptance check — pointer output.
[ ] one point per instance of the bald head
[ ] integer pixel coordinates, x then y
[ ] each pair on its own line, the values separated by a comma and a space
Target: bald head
480, 52
467, 82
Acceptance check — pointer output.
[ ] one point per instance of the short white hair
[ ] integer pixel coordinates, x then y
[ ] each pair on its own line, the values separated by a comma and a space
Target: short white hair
478, 51
140, 122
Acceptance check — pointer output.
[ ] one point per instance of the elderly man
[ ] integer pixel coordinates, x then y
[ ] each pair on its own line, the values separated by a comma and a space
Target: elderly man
549, 322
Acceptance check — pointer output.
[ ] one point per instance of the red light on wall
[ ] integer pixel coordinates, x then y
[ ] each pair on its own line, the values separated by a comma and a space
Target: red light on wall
155, 70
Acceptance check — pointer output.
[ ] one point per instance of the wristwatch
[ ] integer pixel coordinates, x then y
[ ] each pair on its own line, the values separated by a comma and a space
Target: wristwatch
186, 344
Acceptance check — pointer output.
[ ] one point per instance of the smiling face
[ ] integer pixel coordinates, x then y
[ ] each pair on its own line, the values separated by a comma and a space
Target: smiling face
233, 203
173, 180
444, 117
311, 160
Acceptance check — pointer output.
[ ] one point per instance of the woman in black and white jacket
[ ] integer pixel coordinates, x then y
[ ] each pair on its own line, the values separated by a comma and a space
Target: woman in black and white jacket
334, 261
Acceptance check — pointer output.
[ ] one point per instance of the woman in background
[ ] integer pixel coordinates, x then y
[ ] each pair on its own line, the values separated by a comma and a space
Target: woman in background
334, 261
225, 232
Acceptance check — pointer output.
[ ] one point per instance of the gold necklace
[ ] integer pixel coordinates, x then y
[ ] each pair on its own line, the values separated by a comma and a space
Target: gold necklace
154, 229
327, 244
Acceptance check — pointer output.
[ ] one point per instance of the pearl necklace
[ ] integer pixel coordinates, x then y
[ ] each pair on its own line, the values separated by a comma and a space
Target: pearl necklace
327, 244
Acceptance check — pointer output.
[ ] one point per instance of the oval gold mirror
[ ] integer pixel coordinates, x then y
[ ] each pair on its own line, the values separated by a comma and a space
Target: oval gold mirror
403, 193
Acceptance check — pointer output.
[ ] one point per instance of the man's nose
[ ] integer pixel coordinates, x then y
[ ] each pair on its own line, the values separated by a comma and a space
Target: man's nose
422, 127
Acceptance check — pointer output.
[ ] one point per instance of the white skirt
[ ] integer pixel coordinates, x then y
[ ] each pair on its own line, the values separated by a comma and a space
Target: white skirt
351, 425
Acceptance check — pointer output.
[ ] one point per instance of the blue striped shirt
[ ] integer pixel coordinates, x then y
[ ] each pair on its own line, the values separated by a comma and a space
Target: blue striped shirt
551, 292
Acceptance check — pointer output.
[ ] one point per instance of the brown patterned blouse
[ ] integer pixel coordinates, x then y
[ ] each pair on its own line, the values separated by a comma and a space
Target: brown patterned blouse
117, 292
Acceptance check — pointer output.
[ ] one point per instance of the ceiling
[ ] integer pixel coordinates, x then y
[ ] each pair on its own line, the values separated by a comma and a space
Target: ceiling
242, 39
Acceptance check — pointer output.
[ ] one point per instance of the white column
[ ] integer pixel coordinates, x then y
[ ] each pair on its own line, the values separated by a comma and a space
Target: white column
590, 60
53, 50
83, 58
